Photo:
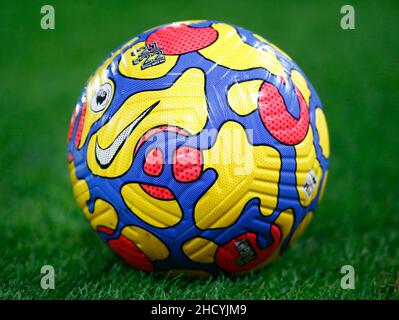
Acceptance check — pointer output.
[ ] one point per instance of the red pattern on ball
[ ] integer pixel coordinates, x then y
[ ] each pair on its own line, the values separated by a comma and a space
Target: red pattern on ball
187, 164
80, 125
70, 157
153, 164
154, 131
154, 169
72, 125
105, 230
160, 193
275, 116
131, 253
227, 256
180, 38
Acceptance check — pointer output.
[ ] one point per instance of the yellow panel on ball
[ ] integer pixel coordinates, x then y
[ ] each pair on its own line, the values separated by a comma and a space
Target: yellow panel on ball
240, 56
241, 176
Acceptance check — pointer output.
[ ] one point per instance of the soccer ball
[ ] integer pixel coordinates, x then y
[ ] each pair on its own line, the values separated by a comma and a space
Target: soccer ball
198, 147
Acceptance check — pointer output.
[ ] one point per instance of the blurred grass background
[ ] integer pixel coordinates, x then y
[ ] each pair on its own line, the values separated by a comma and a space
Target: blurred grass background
354, 71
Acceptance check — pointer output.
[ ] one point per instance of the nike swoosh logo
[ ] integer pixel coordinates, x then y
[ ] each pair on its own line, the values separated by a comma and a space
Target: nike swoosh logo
105, 156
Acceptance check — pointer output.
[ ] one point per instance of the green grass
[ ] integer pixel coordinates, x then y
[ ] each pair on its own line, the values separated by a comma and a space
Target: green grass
355, 73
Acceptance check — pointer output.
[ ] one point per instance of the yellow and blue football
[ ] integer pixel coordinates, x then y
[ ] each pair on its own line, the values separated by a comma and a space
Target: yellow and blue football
198, 147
